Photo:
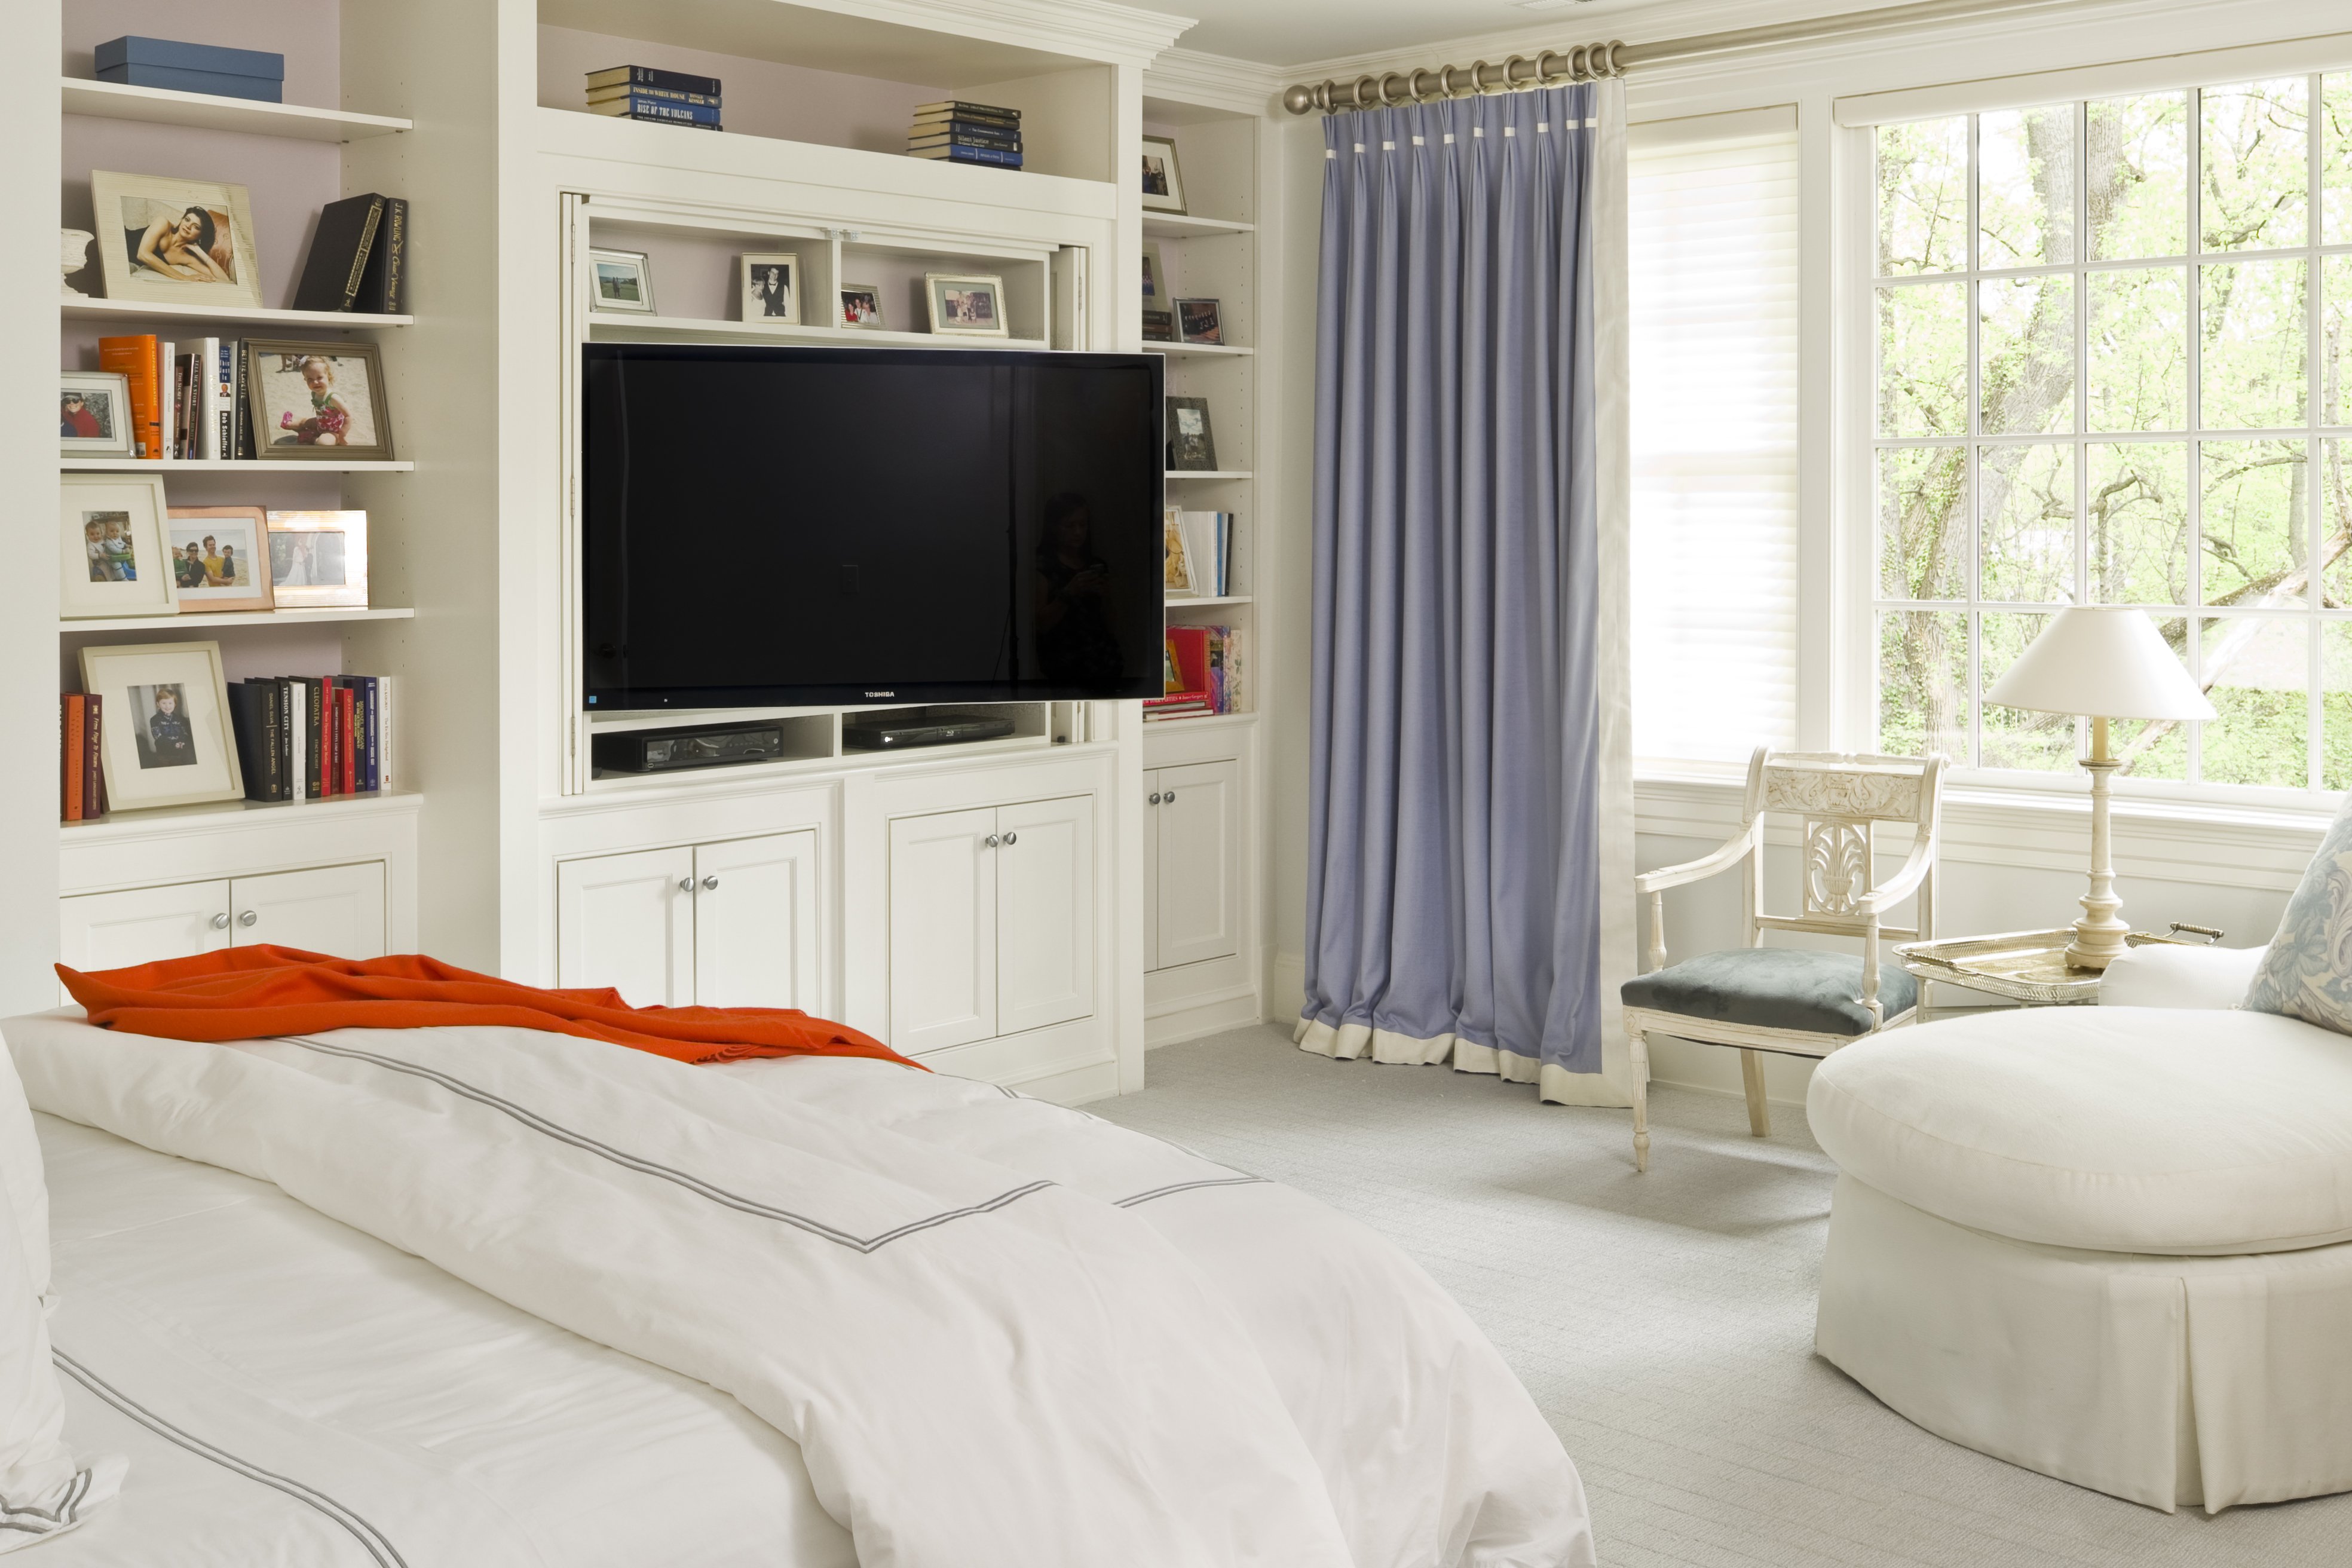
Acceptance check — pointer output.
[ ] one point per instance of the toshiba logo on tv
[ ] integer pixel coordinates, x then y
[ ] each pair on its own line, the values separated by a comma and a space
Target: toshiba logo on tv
881, 694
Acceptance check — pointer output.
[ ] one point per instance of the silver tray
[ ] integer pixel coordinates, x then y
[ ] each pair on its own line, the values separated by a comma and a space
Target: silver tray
2023, 965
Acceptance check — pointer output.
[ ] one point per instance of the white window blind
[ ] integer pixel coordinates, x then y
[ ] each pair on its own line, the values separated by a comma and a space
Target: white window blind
1714, 297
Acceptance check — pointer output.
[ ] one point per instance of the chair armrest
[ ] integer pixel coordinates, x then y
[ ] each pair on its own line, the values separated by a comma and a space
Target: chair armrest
1901, 885
1730, 854
2162, 975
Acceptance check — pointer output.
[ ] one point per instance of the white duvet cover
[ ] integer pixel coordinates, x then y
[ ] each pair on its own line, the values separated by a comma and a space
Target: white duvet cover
998, 1330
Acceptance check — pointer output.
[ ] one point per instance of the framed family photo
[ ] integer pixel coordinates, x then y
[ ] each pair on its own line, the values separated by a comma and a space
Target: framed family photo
111, 547
1199, 322
220, 557
171, 743
972, 306
184, 242
93, 414
1191, 446
317, 558
1164, 186
769, 287
318, 402
861, 307
622, 281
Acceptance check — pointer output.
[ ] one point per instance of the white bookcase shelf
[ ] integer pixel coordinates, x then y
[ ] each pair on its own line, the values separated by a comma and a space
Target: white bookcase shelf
225, 465
615, 326
1205, 600
164, 311
193, 619
1174, 226
1209, 473
170, 817
1205, 350
207, 112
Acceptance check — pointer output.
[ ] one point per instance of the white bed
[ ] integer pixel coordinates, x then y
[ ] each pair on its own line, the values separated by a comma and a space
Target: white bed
292, 1389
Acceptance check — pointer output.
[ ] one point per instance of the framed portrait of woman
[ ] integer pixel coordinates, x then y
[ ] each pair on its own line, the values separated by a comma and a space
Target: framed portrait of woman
167, 740
187, 242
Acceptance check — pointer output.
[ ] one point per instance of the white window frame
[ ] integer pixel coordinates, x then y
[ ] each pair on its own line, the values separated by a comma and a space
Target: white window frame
1854, 689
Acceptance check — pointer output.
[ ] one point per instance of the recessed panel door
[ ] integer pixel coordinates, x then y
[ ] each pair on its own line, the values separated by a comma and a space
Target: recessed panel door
1046, 913
1199, 891
334, 909
141, 925
755, 922
628, 921
943, 900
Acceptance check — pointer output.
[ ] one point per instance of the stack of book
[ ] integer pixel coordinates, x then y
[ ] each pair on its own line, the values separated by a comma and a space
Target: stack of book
966, 133
643, 92
1199, 549
1204, 674
313, 737
84, 793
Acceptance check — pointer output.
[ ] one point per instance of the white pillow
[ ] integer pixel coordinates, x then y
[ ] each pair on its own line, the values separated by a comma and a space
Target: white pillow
20, 1170
2162, 975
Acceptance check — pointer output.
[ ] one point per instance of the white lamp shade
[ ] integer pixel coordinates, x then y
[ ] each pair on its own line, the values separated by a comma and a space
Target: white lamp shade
2104, 662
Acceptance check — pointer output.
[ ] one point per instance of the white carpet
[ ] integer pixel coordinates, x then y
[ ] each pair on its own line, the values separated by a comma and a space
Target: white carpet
1664, 1322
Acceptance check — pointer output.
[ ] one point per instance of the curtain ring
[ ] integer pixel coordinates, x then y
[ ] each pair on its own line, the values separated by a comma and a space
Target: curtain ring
1478, 82
1579, 63
1511, 77
1543, 67
1365, 91
1609, 66
1386, 101
1413, 85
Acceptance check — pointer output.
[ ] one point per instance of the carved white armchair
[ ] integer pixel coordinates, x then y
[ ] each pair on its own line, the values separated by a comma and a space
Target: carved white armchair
1798, 1002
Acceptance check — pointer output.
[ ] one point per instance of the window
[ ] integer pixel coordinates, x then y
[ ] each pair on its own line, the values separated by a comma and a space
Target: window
1713, 221
2110, 354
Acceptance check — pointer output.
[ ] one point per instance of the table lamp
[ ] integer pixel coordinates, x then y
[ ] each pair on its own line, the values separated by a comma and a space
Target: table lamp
2102, 662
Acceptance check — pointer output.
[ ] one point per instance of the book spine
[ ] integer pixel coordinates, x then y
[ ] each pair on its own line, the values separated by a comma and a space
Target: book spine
674, 81
957, 109
966, 139
987, 156
246, 729
70, 748
346, 739
314, 740
387, 733
392, 263
365, 739
93, 757
167, 415
133, 359
243, 413
224, 383
636, 108
638, 90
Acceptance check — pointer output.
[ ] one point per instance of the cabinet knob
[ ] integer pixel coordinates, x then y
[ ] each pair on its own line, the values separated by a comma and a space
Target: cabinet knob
992, 841
248, 918
1155, 797
1011, 838
220, 920
1170, 797
686, 884
711, 884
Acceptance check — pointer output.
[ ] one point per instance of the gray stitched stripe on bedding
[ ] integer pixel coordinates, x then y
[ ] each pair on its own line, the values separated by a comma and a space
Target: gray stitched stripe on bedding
692, 1183
42, 1520
371, 1539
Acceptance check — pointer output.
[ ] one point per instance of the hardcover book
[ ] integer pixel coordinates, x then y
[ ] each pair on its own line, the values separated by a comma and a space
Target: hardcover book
606, 94
339, 253
650, 76
994, 156
957, 109
134, 359
634, 107
381, 285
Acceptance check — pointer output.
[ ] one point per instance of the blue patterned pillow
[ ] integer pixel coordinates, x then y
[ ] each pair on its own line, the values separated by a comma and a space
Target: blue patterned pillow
2308, 972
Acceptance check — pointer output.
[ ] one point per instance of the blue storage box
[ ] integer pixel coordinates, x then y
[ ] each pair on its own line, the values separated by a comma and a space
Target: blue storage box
194, 68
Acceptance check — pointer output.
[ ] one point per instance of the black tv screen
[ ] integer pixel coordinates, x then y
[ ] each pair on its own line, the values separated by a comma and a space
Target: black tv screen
772, 526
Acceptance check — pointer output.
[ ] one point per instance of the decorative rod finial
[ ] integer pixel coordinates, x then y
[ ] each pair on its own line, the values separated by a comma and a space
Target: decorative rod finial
1298, 97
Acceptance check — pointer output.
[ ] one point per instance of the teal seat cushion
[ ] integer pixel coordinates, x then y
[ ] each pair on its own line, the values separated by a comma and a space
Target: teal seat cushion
1773, 987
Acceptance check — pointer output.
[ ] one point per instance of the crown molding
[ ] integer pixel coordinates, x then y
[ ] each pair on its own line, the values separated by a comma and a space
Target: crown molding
1089, 29
1216, 81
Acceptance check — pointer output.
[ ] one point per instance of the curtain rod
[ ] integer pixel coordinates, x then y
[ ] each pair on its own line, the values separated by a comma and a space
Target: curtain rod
1590, 62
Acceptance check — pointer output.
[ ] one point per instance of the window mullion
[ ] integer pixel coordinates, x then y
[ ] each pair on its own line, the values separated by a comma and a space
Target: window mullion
2194, 291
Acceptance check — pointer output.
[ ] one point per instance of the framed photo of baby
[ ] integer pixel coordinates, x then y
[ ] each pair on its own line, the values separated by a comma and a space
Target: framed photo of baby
188, 242
220, 557
319, 402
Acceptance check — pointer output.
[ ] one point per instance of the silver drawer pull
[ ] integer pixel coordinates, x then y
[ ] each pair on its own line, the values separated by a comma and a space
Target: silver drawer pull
686, 884
1011, 838
1155, 797
1170, 797
992, 841
711, 884
248, 918
220, 921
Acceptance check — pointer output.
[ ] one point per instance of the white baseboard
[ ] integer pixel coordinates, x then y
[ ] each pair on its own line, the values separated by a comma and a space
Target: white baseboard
1210, 1015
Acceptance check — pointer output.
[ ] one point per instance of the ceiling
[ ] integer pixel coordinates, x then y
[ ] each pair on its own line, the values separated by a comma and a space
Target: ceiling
1291, 32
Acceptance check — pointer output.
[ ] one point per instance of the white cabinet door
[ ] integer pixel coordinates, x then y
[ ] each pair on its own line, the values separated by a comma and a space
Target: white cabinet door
755, 922
628, 921
1151, 868
334, 909
140, 925
1046, 913
1198, 893
943, 967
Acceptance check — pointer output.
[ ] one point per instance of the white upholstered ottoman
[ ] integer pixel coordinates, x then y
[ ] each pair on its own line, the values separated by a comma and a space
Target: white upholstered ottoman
2110, 1244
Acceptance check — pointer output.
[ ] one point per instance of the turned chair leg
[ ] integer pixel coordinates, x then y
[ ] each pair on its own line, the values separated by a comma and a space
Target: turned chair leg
1639, 1062
1759, 1110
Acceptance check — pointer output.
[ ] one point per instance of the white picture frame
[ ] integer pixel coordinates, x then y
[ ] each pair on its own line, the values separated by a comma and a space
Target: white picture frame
859, 308
621, 280
319, 559
166, 740
768, 288
144, 255
229, 567
94, 414
112, 560
968, 305
1163, 182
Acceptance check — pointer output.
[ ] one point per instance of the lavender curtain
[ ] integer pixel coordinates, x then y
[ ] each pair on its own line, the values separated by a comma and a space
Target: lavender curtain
1455, 874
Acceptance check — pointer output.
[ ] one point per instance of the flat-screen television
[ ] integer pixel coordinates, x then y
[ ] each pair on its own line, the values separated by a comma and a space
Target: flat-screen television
785, 525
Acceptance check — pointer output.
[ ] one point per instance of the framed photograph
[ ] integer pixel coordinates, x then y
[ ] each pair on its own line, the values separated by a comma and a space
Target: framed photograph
220, 557
93, 414
317, 558
186, 242
112, 549
623, 281
1175, 562
167, 740
1159, 326
971, 306
318, 402
1164, 186
861, 307
769, 287
1157, 291
1197, 321
1191, 448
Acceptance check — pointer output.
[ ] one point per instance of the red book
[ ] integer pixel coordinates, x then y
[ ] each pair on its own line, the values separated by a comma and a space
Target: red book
1190, 648
72, 749
346, 753
134, 359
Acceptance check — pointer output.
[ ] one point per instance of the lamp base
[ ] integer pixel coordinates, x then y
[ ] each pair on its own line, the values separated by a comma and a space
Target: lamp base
2099, 934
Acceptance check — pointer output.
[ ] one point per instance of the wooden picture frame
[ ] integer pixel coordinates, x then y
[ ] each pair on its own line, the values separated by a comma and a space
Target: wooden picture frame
966, 304
768, 287
621, 280
319, 559
230, 571
144, 254
859, 308
318, 402
111, 558
94, 414
1163, 182
167, 739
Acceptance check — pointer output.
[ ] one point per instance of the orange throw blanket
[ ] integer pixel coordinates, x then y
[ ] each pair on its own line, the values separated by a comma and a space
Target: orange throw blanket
253, 993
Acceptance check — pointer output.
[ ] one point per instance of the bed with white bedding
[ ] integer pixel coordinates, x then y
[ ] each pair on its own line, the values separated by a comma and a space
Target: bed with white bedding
478, 1295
